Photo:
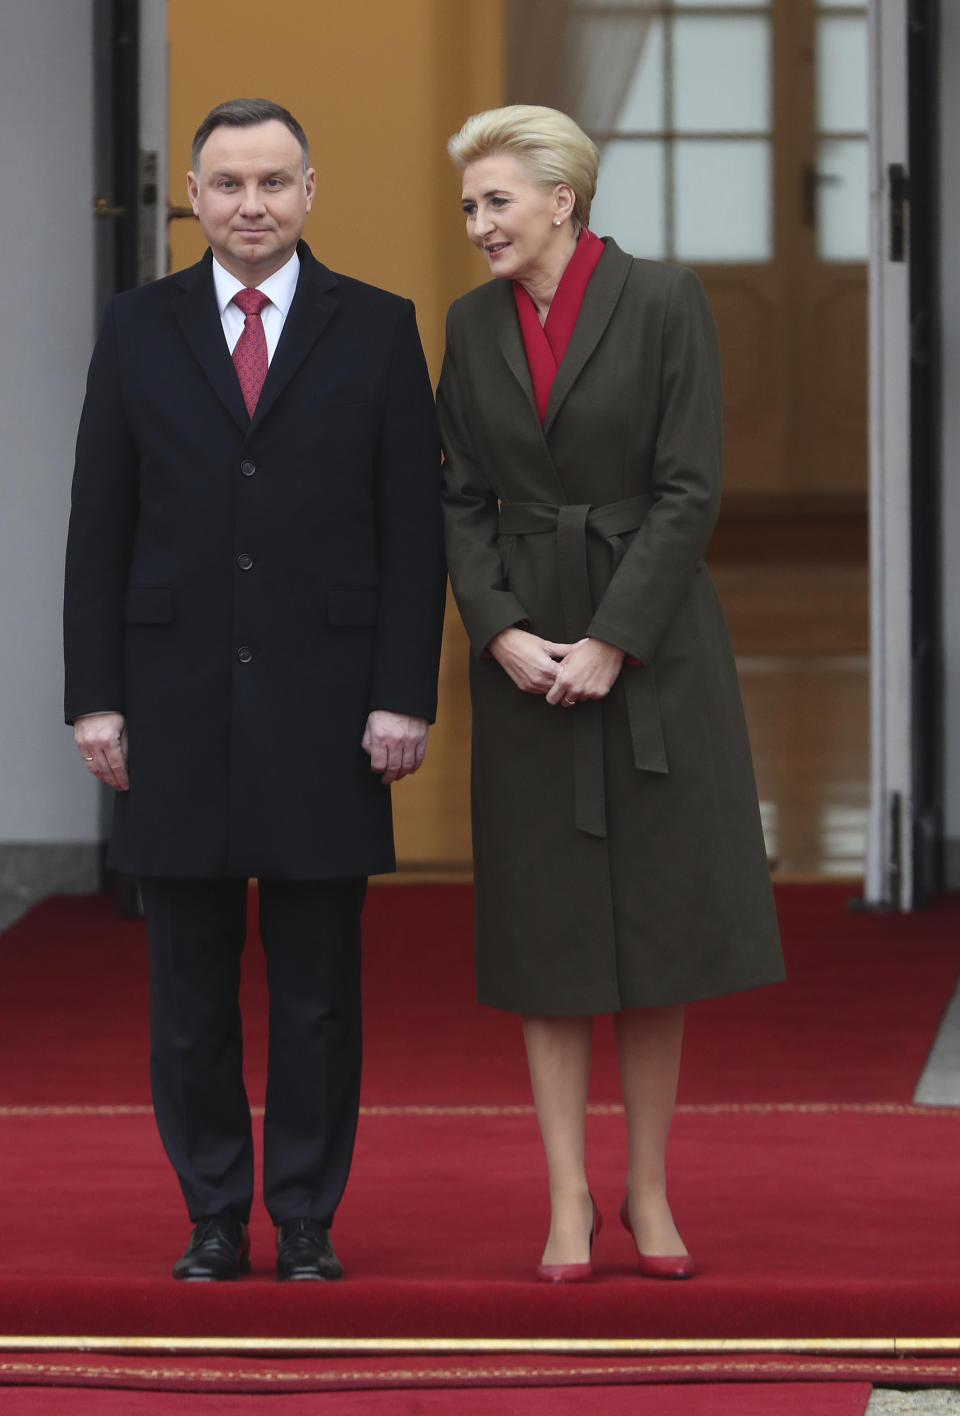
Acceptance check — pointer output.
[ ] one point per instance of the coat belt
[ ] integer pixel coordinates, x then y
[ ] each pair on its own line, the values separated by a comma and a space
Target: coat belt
572, 525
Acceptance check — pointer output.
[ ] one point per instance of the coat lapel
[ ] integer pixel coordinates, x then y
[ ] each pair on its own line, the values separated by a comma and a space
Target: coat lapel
196, 310
599, 302
313, 305
511, 340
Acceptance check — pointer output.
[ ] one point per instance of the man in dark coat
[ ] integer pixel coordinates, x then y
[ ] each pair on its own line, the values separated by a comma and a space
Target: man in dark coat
253, 607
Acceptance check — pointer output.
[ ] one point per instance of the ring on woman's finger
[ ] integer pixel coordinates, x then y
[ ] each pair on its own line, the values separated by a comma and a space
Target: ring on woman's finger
88, 759
568, 702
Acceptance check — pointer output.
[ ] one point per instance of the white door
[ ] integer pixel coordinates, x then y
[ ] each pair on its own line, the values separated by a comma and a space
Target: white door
890, 876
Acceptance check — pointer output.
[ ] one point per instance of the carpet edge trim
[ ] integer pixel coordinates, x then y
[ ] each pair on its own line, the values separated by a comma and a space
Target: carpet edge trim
647, 1372
625, 1346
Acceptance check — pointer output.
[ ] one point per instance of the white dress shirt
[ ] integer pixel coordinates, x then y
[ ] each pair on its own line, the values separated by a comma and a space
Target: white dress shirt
279, 288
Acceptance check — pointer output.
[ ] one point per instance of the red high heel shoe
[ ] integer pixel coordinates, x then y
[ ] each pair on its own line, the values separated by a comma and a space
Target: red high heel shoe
573, 1273
657, 1265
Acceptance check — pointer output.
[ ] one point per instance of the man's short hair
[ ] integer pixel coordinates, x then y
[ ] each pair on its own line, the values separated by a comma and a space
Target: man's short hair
247, 113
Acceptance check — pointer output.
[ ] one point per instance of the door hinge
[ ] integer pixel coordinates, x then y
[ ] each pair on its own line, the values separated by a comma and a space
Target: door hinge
898, 191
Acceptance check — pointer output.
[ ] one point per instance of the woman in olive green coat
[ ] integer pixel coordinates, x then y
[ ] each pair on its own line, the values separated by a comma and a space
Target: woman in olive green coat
619, 859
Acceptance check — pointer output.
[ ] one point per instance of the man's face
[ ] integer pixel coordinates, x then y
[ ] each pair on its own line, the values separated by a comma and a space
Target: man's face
252, 197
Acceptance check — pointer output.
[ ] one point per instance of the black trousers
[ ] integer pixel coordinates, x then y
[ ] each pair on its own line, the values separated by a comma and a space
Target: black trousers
311, 938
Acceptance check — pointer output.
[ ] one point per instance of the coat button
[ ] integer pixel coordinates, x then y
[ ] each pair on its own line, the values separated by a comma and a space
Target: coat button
248, 468
244, 653
245, 562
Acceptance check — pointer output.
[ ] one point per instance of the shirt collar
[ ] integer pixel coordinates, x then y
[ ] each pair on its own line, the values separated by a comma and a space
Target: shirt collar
279, 288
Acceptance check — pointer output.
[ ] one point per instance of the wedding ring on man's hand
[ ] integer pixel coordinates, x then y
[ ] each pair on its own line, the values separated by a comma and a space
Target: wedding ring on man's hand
568, 702
88, 759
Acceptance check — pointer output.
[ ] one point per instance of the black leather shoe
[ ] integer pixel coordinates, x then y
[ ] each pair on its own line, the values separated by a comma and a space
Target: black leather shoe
304, 1251
218, 1249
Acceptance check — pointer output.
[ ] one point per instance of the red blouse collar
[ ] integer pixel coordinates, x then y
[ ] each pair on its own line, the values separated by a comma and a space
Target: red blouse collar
546, 344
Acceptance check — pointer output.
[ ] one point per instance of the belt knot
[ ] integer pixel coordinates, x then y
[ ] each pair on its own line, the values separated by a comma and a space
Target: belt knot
572, 524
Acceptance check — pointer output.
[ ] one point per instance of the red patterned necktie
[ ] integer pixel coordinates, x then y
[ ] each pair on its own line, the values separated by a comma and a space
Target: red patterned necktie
250, 350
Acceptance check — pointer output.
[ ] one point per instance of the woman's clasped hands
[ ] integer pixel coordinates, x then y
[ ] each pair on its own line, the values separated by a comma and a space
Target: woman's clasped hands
562, 673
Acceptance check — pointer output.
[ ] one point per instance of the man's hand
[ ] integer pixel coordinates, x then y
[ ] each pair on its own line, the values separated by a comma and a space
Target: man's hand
102, 740
589, 670
395, 742
529, 660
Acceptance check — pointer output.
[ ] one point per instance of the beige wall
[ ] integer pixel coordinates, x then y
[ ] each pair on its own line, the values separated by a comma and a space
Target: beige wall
378, 86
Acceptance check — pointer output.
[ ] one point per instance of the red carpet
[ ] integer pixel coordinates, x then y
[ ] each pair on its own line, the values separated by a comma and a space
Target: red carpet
799, 1223
817, 1203
815, 1399
853, 1023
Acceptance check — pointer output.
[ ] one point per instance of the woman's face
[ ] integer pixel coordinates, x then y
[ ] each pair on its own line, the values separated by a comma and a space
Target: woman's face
511, 217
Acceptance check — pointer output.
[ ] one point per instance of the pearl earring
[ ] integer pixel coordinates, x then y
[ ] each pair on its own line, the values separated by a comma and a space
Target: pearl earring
556, 221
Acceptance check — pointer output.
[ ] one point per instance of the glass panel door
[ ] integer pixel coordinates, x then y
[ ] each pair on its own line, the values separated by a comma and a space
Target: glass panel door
842, 198
740, 147
699, 109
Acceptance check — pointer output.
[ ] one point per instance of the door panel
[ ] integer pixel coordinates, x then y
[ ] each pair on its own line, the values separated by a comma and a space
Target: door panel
754, 171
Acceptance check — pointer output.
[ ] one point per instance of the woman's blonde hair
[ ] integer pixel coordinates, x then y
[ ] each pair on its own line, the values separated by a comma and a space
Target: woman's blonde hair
552, 145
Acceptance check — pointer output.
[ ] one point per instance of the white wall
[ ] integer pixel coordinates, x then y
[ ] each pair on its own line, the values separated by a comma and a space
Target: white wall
950, 504
47, 320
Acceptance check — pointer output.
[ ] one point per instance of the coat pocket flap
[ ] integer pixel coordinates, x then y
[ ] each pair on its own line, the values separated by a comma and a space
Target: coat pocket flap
149, 604
352, 607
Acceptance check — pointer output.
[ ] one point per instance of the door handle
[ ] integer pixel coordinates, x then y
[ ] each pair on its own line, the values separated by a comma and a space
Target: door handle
102, 208
812, 182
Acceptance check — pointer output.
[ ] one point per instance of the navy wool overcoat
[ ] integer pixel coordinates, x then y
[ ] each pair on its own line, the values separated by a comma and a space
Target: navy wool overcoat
246, 591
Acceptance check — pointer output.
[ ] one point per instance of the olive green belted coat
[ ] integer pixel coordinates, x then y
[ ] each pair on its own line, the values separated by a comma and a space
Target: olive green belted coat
619, 859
